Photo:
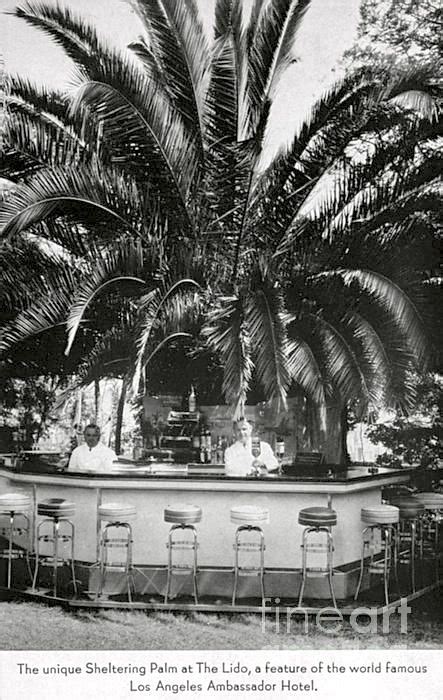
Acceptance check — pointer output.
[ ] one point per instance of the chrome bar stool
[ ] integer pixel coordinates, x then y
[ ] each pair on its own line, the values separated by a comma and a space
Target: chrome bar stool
318, 520
381, 519
410, 532
432, 520
183, 517
16, 506
249, 537
59, 536
116, 535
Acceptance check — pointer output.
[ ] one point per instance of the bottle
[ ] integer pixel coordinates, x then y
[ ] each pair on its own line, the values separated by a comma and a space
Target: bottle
214, 453
196, 439
208, 445
279, 448
202, 446
192, 401
255, 446
219, 452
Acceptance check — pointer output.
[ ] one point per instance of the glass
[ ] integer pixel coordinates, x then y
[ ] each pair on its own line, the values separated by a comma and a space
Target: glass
256, 451
255, 447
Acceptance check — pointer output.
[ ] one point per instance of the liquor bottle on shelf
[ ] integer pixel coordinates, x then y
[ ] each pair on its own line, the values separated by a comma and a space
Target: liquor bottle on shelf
203, 447
214, 453
220, 453
208, 445
279, 448
196, 438
192, 401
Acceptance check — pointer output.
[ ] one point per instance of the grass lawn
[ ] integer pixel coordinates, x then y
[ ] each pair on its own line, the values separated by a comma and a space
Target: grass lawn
36, 626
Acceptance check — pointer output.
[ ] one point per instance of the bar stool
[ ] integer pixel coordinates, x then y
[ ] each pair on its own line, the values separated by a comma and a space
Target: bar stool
60, 536
410, 531
433, 505
183, 517
382, 518
317, 519
16, 506
249, 537
115, 535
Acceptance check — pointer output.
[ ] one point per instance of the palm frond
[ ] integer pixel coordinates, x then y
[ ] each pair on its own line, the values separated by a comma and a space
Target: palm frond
271, 50
23, 264
56, 191
266, 322
121, 266
141, 132
168, 308
226, 333
304, 368
46, 311
78, 38
109, 357
41, 143
414, 90
178, 46
396, 303
227, 164
323, 136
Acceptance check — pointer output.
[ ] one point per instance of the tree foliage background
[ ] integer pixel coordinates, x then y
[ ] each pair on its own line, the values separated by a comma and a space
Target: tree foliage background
398, 34
144, 220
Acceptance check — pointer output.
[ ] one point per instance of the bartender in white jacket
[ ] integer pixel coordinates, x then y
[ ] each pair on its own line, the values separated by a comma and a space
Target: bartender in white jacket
92, 455
239, 460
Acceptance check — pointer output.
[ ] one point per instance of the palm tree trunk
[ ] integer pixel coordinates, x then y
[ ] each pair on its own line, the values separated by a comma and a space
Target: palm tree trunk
344, 435
328, 436
119, 421
335, 449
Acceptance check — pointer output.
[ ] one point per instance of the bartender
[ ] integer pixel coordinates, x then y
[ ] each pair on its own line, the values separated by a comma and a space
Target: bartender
239, 460
93, 455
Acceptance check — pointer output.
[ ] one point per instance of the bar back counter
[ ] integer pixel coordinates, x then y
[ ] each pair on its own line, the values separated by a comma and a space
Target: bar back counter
282, 496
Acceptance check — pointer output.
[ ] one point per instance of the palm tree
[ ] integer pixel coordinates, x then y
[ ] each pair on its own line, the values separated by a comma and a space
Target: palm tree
148, 184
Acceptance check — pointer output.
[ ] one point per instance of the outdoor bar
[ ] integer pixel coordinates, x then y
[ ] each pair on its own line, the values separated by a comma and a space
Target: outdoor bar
346, 492
204, 511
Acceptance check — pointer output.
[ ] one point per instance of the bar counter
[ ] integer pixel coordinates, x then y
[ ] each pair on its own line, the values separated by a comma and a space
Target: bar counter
345, 491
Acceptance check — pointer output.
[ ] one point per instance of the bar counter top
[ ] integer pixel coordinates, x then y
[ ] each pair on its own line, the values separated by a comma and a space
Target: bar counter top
165, 476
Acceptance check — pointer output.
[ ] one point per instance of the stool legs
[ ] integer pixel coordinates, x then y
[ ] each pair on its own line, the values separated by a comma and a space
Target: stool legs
410, 532
106, 543
430, 529
319, 548
174, 545
57, 537
251, 547
11, 551
390, 552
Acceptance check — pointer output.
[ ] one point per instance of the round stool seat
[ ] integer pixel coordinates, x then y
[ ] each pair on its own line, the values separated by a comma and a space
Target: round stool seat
56, 508
15, 502
380, 515
430, 500
183, 514
116, 512
409, 508
317, 516
249, 515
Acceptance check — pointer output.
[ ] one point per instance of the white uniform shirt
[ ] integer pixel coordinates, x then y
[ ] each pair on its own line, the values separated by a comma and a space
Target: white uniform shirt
239, 458
97, 459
